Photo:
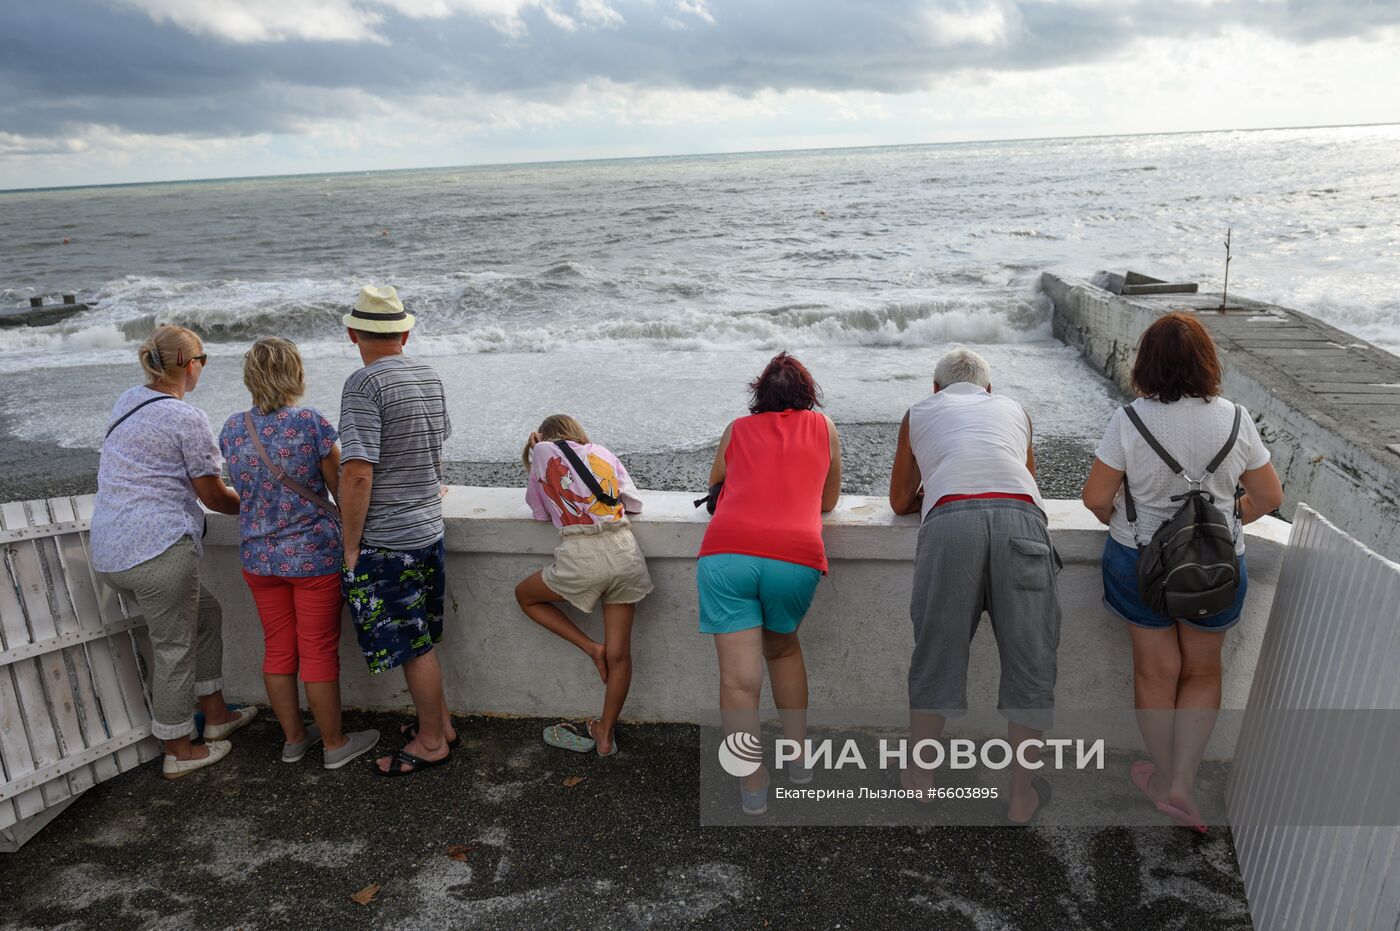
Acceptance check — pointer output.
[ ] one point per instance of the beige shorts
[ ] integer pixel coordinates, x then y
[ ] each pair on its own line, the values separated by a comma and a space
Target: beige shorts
598, 561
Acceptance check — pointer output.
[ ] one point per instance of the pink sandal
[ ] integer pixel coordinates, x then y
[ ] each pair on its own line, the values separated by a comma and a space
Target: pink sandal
1141, 774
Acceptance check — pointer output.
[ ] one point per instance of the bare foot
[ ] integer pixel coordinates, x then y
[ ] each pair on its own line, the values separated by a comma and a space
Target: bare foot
598, 653
223, 718
1157, 790
418, 748
410, 731
916, 780
1183, 798
595, 730
1023, 805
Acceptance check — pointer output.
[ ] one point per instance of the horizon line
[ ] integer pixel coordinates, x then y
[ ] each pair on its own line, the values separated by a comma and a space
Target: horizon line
639, 158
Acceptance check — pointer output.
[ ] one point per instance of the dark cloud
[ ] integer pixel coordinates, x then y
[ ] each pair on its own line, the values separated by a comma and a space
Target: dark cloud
66, 64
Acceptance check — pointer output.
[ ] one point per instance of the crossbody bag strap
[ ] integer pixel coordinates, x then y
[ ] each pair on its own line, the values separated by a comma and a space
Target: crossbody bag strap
281, 475
586, 474
122, 419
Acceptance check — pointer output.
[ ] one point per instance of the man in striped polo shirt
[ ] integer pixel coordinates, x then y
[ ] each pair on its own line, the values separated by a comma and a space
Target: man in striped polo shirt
393, 422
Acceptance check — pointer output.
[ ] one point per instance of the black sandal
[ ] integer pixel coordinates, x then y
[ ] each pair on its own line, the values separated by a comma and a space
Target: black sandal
399, 757
409, 732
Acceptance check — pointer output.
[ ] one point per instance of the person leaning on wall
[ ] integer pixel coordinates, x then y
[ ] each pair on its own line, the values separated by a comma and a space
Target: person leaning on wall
159, 462
965, 462
762, 554
1176, 661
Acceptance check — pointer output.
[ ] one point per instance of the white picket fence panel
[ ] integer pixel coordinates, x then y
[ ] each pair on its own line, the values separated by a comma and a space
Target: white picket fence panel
74, 707
1333, 642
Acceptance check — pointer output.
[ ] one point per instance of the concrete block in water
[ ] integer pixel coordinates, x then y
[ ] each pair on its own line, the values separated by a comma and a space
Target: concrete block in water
40, 314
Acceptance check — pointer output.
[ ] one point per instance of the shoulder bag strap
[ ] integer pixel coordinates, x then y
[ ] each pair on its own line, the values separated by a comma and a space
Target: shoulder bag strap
586, 474
122, 419
281, 474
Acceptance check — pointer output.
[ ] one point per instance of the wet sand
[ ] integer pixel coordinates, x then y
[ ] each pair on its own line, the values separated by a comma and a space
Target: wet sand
43, 470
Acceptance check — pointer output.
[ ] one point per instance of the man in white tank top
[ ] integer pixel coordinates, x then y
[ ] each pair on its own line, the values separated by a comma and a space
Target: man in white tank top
964, 462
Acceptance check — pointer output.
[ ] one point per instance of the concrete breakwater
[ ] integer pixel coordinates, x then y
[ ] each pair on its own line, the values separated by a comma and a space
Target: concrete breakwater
1327, 403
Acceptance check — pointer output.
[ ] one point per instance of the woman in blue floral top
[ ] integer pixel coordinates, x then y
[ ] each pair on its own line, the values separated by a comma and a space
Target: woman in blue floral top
291, 548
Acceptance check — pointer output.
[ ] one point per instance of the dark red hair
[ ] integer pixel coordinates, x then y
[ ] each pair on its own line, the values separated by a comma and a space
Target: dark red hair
1176, 359
784, 385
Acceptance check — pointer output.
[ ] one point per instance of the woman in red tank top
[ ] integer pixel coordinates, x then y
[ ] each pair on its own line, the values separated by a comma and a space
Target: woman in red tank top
762, 554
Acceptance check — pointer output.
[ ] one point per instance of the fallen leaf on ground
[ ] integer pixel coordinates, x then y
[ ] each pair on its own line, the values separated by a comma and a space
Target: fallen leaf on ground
367, 894
459, 852
571, 781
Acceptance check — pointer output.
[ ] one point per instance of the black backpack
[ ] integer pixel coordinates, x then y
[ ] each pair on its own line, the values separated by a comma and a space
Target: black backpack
1189, 568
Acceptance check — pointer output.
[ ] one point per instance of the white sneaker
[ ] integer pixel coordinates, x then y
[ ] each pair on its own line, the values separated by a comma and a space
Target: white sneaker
172, 768
220, 731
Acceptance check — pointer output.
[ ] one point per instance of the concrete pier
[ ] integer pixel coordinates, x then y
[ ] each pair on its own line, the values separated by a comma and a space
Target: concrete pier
1326, 402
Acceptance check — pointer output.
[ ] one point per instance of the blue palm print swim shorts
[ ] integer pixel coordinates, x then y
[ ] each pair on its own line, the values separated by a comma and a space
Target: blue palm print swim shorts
396, 602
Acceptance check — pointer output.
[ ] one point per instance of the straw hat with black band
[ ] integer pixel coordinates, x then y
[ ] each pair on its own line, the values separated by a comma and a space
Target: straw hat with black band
378, 310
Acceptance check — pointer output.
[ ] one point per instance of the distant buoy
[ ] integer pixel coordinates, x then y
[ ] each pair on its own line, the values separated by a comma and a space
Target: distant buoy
65, 242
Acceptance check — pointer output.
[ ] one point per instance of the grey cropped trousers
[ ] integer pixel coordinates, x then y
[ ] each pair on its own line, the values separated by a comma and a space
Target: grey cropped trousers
991, 555
185, 624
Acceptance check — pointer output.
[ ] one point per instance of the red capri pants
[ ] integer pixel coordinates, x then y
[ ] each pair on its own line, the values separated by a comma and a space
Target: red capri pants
301, 624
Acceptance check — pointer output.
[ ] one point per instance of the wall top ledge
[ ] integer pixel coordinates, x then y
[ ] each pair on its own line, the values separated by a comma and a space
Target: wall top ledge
486, 520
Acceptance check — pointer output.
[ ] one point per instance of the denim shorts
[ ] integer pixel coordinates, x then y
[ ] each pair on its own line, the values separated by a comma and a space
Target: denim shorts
1120, 594
396, 601
739, 592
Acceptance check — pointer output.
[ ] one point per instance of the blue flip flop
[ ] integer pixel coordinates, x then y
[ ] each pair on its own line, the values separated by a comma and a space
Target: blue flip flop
566, 737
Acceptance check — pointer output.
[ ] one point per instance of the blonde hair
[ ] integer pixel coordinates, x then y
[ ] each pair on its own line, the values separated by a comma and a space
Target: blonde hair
557, 427
166, 351
273, 372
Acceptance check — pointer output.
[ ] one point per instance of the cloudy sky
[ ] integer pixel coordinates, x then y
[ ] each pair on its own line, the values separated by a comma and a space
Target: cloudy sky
99, 91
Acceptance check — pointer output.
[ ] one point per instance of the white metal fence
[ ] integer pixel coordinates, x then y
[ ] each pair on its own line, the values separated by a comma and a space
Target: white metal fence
1333, 642
74, 710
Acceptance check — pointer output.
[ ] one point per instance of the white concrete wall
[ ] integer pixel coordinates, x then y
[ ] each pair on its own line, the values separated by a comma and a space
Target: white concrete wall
857, 637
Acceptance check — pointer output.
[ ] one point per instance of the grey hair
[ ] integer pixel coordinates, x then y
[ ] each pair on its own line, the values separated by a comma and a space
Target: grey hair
962, 364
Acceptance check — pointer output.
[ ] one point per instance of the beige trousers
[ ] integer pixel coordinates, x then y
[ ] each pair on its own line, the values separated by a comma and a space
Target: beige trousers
185, 624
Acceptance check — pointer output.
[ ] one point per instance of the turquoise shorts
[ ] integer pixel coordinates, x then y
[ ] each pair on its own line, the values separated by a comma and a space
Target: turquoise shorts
740, 592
